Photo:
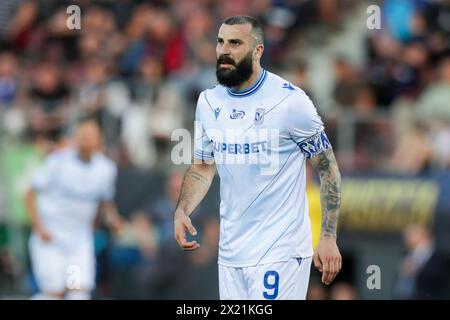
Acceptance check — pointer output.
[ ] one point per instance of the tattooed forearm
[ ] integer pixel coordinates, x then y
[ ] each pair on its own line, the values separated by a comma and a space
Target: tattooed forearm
196, 183
330, 190
197, 176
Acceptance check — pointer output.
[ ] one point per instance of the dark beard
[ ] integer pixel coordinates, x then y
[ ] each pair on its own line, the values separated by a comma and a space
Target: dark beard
234, 77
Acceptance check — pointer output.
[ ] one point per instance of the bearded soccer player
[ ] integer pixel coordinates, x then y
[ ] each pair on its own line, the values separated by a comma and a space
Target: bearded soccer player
265, 248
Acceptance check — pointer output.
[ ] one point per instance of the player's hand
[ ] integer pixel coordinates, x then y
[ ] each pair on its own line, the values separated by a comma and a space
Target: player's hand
327, 258
117, 225
182, 223
43, 234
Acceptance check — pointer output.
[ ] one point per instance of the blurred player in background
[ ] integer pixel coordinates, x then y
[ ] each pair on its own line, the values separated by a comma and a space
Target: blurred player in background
265, 247
66, 193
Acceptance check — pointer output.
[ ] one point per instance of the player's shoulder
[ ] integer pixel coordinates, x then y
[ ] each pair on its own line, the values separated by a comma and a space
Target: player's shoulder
286, 95
211, 99
104, 161
213, 93
59, 155
280, 84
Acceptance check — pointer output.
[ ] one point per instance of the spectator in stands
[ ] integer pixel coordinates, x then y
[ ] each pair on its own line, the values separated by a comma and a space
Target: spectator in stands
423, 271
346, 83
49, 94
433, 109
12, 118
9, 79
412, 151
155, 112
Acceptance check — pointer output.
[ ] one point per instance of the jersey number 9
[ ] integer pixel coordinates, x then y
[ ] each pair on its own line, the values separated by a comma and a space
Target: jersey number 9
271, 281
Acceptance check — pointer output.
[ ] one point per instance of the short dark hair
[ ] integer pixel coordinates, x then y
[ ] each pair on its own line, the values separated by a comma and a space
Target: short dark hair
86, 119
257, 30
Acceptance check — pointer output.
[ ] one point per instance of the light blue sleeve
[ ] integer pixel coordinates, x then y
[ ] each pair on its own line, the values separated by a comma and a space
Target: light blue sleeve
203, 147
305, 126
44, 176
110, 188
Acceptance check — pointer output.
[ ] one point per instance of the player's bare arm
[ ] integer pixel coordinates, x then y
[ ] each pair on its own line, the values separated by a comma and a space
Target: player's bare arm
112, 216
326, 256
196, 184
36, 223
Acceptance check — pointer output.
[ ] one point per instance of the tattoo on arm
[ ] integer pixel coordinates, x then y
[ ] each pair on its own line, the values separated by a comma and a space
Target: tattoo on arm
199, 177
330, 190
196, 184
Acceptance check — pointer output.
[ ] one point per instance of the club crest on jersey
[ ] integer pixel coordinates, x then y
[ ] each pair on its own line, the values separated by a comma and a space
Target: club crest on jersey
237, 114
259, 116
217, 112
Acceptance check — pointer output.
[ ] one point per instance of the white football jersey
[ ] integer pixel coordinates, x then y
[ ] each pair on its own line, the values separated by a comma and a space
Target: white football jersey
259, 139
69, 192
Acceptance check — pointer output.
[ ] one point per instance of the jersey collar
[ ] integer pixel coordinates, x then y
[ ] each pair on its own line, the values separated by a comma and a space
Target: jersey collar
251, 90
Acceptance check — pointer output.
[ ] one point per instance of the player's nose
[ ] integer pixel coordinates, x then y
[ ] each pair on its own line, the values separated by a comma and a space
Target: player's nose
223, 50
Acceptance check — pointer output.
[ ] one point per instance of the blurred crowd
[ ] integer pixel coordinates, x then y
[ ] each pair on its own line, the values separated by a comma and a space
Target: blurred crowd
138, 66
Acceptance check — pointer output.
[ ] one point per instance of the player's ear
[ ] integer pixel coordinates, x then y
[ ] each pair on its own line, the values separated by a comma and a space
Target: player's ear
258, 51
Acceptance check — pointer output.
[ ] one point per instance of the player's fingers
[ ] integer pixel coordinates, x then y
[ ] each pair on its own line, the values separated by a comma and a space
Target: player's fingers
192, 248
325, 271
328, 271
335, 263
192, 245
317, 262
190, 227
181, 238
338, 264
325, 275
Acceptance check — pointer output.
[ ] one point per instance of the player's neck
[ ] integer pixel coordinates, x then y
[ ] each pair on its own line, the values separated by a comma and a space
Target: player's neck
251, 81
84, 157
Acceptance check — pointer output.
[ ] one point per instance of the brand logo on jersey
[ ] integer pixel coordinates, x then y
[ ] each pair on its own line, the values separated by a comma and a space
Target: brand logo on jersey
259, 116
237, 114
217, 112
240, 148
288, 86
